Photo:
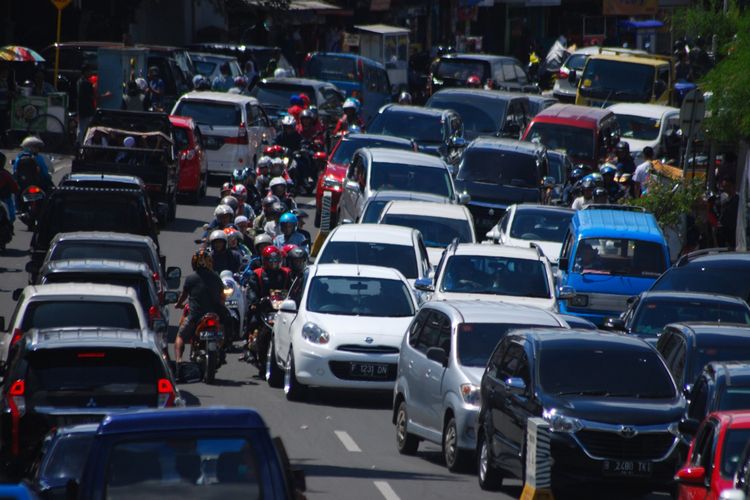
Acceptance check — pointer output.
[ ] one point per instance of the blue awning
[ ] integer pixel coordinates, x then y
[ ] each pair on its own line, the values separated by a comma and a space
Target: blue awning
641, 25
469, 3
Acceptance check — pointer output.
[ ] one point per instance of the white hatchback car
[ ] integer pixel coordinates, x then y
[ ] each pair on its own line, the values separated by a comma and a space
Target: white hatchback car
340, 327
439, 223
493, 272
644, 125
234, 128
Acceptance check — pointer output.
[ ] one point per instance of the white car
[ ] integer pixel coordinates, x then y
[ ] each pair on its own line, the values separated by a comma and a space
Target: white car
74, 305
644, 125
340, 327
543, 225
234, 128
209, 65
398, 247
439, 223
493, 272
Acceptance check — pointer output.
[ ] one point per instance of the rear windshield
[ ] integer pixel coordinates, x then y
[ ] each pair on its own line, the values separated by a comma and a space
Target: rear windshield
186, 466
416, 126
503, 168
74, 213
576, 61
332, 68
353, 296
655, 314
575, 141
278, 95
461, 70
80, 313
401, 257
728, 278
540, 225
140, 285
347, 147
97, 250
400, 177
436, 231
491, 275
210, 113
110, 377
479, 116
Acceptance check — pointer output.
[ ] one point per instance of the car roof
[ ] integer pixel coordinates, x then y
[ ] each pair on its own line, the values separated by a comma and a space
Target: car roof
182, 121
96, 266
735, 373
497, 251
427, 208
412, 110
392, 194
630, 58
105, 237
181, 419
207, 95
522, 207
612, 223
503, 144
378, 137
297, 82
386, 155
712, 255
97, 291
354, 270
349, 55
380, 233
577, 335
478, 57
210, 55
56, 338
105, 178
480, 93
640, 109
733, 419
77, 429
480, 311
580, 116
713, 334
707, 297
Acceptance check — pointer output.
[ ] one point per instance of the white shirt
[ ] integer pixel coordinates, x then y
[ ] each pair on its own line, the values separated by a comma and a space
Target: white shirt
641, 172
580, 203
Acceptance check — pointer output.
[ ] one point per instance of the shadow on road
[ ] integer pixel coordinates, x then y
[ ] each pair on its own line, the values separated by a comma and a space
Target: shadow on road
350, 399
182, 225
355, 472
14, 252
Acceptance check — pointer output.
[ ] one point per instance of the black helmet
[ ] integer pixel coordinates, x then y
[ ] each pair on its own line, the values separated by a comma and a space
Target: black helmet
297, 258
231, 201
622, 147
278, 208
404, 98
306, 113
600, 192
587, 183
270, 200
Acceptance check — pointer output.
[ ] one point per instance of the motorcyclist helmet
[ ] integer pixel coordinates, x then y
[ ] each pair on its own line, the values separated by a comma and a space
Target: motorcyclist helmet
226, 188
404, 98
277, 209
350, 103
548, 182
264, 163
473, 82
196, 81
223, 210
296, 100
269, 200
354, 129
288, 222
32, 142
261, 241
143, 84
608, 169
588, 183
202, 260
280, 73
271, 257
306, 118
240, 82
575, 175
287, 248
218, 240
241, 219
230, 201
296, 258
320, 156
239, 191
278, 186
597, 178
622, 147
233, 236
600, 195
272, 151
239, 175
277, 167
288, 121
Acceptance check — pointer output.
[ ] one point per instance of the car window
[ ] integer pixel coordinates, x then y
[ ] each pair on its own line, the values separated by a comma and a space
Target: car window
332, 98
510, 362
504, 223
100, 250
701, 455
480, 116
727, 278
491, 275
622, 257
436, 231
67, 458
735, 441
409, 125
499, 168
212, 113
435, 333
459, 70
540, 225
330, 67
141, 286
400, 257
79, 313
359, 296
676, 362
509, 72
475, 341
698, 400
416, 326
405, 177
734, 398
73, 212
298, 286
493, 366
181, 138
520, 74
654, 314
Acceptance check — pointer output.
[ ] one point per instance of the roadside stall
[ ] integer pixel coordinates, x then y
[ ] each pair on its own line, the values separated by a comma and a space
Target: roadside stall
388, 45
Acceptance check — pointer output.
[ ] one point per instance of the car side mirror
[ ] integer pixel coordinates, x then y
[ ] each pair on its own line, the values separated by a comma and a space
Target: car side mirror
614, 324
424, 284
174, 273
572, 77
464, 198
352, 186
288, 306
438, 355
17, 293
565, 292
687, 390
689, 426
512, 130
691, 475
515, 385
347, 221
562, 263
171, 297
457, 142
493, 235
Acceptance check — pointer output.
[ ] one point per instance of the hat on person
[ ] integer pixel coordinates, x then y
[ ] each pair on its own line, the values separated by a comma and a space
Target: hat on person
128, 142
240, 219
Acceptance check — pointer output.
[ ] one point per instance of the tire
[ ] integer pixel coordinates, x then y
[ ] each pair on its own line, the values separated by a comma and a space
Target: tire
456, 459
209, 375
406, 443
293, 389
274, 373
490, 478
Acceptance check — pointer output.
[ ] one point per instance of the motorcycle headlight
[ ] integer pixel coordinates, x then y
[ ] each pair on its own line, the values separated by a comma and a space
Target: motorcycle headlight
471, 394
315, 334
561, 423
228, 291
332, 183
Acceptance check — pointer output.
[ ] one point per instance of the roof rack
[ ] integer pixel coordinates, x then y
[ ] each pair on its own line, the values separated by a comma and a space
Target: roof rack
684, 259
611, 206
538, 249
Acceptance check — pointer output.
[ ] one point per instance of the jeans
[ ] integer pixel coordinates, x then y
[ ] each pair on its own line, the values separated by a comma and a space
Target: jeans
9, 202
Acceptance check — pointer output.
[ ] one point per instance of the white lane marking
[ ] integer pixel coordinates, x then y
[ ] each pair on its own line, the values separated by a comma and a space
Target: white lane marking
385, 489
347, 441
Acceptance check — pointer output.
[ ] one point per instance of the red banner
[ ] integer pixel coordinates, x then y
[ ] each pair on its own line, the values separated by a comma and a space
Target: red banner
629, 7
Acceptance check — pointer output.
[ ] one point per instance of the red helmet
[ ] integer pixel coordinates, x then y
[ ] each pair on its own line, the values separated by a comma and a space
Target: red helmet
273, 151
287, 248
271, 257
305, 99
474, 81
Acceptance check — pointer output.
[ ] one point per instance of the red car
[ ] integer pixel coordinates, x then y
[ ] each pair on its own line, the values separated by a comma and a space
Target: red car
193, 173
714, 455
334, 176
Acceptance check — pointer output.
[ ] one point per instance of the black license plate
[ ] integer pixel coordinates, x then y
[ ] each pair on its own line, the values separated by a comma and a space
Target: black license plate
627, 468
369, 370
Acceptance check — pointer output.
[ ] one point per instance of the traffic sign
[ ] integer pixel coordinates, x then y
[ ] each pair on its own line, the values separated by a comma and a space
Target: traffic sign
692, 112
61, 4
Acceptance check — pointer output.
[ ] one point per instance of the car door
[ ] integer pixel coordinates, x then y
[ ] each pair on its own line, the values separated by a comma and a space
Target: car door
350, 192
282, 328
255, 131
490, 395
702, 455
435, 375
423, 367
407, 359
504, 416
521, 407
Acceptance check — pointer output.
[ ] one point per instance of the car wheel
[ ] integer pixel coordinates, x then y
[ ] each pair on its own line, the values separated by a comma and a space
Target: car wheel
274, 373
490, 478
293, 389
456, 459
406, 443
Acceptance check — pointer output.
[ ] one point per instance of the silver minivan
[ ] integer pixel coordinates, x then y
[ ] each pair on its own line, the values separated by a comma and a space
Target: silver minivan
442, 359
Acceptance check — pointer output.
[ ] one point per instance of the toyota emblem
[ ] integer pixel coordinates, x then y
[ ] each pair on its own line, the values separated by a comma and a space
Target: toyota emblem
369, 340
627, 432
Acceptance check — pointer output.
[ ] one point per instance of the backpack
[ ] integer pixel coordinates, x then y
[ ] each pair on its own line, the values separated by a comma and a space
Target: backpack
27, 171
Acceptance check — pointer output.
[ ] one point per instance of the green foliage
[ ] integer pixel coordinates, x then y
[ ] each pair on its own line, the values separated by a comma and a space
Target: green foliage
706, 19
669, 200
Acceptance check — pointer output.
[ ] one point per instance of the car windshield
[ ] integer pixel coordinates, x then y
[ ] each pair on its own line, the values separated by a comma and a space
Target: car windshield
404, 177
492, 275
575, 141
347, 147
79, 313
416, 126
436, 231
735, 441
707, 354
734, 398
654, 314
139, 284
477, 341
186, 466
277, 95
357, 296
100, 250
504, 168
479, 116
93, 377
461, 69
213, 113
565, 368
619, 256
67, 458
181, 138
540, 225
727, 278
641, 128
73, 213
329, 68
617, 80
401, 257
372, 212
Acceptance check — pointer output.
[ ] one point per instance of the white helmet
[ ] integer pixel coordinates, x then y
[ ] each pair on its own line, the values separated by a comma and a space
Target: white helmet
277, 181
223, 210
280, 73
142, 85
288, 121
32, 141
264, 161
217, 234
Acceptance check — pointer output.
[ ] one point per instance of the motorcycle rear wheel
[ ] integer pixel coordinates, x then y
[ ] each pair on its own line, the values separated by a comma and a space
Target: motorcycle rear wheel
209, 374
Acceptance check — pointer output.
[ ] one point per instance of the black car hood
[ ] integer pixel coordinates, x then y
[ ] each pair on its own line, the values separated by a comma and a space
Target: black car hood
624, 411
497, 194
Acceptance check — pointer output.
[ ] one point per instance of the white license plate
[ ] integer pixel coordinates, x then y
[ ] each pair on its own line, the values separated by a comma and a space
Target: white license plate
369, 370
627, 468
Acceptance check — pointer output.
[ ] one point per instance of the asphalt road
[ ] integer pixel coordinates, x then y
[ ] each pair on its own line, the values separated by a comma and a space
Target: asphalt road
344, 441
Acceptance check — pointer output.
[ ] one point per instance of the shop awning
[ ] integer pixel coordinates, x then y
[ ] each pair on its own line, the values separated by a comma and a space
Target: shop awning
648, 24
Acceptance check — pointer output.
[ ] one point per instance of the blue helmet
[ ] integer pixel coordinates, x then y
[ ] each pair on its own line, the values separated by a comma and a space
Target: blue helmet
608, 169
576, 175
296, 100
288, 218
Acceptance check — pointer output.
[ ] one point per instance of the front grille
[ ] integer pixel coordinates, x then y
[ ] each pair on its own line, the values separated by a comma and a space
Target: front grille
647, 446
342, 370
368, 349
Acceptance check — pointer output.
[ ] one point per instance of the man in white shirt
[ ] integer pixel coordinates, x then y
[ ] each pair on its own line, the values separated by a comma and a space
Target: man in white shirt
642, 171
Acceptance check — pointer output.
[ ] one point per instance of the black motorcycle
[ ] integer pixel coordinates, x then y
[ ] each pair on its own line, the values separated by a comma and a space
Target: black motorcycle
303, 168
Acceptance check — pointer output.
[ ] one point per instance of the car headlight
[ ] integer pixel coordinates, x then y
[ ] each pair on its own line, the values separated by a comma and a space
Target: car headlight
561, 423
228, 291
579, 300
332, 183
471, 394
315, 334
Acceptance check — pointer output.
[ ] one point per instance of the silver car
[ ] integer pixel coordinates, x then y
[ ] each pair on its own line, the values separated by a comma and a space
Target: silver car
440, 367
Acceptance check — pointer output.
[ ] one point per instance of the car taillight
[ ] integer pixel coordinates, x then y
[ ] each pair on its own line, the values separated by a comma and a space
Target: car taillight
17, 334
166, 392
154, 313
308, 58
562, 74
17, 405
241, 136
34, 190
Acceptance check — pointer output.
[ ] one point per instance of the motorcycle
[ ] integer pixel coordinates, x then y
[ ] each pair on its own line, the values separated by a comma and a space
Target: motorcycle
305, 168
6, 226
236, 303
32, 199
207, 345
259, 340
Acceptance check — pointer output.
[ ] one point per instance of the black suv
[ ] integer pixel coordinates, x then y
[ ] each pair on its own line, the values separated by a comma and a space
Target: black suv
68, 376
69, 209
497, 173
612, 407
494, 72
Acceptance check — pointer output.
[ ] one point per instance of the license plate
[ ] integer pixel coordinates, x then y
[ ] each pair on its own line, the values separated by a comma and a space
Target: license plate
212, 346
209, 334
369, 370
626, 468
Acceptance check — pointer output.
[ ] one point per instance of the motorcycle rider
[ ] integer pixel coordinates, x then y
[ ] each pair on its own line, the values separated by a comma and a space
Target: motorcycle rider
296, 261
289, 138
289, 234
474, 82
571, 187
29, 167
260, 221
232, 203
404, 98
8, 188
239, 191
587, 195
223, 218
224, 259
272, 227
608, 172
259, 243
278, 188
235, 243
242, 224
308, 130
601, 197
301, 216
263, 168
350, 117
204, 292
270, 276
226, 190
625, 163
296, 105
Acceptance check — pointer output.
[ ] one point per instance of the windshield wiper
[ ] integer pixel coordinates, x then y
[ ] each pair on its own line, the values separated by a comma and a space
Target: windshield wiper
596, 271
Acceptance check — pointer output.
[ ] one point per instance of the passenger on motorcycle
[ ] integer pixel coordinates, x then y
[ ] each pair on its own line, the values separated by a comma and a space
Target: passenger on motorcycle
587, 196
8, 188
571, 189
278, 169
260, 221
29, 167
253, 195
404, 98
226, 189
301, 216
204, 292
224, 259
223, 217
289, 138
263, 169
239, 191
309, 131
279, 189
259, 243
235, 243
232, 203
609, 172
350, 117
242, 224
600, 196
296, 261
625, 163
289, 234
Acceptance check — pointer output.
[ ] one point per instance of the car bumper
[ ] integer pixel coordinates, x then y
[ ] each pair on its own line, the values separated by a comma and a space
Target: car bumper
466, 423
596, 317
327, 368
221, 162
190, 177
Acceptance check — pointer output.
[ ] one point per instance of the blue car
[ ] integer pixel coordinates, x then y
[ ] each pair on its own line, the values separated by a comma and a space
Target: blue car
187, 453
609, 254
